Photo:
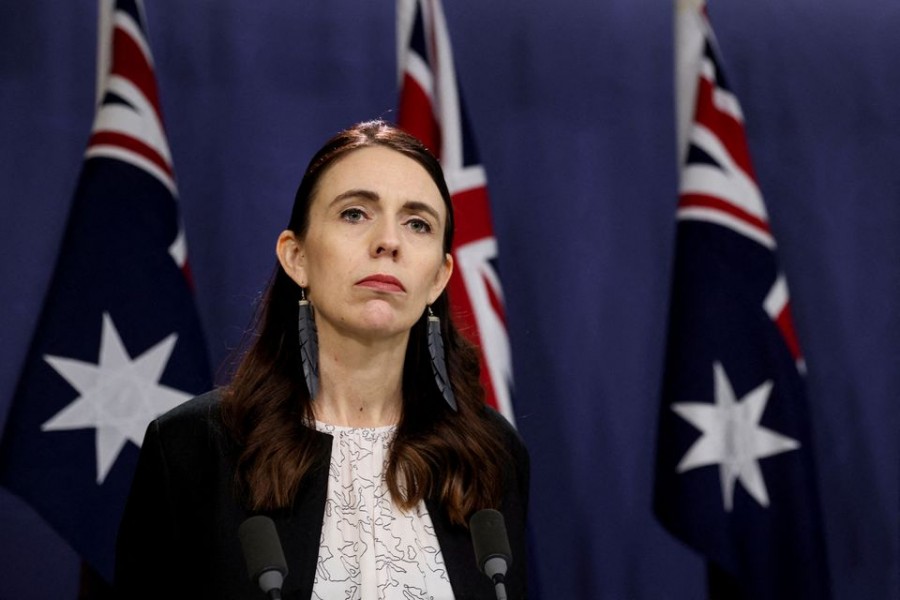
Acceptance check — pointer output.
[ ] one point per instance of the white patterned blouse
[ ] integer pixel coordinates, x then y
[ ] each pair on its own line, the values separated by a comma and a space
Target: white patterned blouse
370, 549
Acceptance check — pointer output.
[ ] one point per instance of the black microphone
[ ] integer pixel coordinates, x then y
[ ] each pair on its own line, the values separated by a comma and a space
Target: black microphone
492, 551
263, 553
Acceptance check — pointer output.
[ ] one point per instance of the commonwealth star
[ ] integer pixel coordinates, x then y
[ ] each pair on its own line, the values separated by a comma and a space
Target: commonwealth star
118, 396
733, 438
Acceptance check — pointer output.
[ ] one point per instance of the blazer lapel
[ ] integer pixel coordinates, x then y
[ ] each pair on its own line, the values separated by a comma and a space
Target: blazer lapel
300, 529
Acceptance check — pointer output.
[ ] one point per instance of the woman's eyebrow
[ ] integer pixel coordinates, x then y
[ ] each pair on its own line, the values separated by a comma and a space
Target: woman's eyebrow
416, 206
356, 193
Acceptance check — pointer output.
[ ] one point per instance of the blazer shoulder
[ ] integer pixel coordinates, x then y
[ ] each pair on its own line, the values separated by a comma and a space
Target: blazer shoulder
509, 433
197, 408
519, 476
204, 408
195, 421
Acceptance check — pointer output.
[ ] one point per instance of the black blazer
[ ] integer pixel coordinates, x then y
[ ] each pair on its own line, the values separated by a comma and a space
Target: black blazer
178, 537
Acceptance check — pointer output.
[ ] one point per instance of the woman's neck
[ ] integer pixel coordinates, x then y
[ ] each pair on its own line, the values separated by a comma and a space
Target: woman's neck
360, 381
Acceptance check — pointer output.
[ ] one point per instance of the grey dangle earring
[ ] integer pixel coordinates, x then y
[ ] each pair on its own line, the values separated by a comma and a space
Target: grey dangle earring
438, 364
309, 345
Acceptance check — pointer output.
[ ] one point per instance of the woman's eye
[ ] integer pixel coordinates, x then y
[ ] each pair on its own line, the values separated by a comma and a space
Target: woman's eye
353, 215
419, 226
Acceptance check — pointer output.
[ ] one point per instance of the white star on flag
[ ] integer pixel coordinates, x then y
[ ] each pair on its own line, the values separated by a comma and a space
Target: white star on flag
118, 396
733, 438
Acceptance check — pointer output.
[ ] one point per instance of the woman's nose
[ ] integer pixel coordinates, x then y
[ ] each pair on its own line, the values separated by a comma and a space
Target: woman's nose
386, 242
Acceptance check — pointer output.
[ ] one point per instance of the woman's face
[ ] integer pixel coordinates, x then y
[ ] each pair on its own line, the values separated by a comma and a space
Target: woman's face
372, 257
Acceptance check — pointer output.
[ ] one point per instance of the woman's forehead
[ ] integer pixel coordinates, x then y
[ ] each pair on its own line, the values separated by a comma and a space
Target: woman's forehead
382, 171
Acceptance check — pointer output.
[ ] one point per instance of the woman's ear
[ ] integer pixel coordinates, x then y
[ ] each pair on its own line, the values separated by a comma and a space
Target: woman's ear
441, 278
292, 257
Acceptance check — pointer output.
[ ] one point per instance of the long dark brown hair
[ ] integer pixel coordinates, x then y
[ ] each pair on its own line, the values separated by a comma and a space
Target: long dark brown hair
455, 458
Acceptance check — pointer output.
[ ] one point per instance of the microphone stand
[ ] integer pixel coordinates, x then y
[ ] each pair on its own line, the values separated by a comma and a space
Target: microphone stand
495, 568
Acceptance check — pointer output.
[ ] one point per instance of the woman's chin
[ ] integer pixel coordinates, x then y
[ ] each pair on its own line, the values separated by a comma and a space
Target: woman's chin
381, 317
384, 328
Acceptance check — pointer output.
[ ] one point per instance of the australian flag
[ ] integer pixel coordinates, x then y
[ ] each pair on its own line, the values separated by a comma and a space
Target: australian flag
735, 478
432, 109
119, 340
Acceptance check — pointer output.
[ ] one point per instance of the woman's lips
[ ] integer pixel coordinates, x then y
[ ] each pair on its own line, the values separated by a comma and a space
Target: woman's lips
382, 283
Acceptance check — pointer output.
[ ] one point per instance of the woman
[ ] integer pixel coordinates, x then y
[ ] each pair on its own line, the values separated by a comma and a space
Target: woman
340, 422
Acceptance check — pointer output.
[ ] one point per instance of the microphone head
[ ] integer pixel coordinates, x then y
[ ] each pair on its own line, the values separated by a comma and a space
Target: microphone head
489, 538
262, 551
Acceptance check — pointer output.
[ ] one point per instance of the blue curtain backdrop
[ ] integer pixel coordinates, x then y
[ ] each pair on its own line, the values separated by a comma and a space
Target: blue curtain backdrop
573, 109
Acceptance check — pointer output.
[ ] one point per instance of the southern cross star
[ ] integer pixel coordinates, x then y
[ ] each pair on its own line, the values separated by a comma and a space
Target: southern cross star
118, 396
733, 438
